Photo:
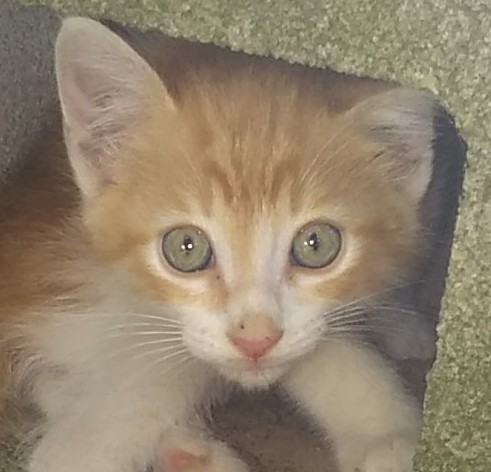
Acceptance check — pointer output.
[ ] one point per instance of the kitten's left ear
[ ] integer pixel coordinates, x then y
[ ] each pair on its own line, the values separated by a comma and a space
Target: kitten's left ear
403, 122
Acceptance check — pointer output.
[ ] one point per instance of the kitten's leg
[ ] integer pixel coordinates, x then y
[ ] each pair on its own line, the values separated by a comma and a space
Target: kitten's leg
358, 399
125, 429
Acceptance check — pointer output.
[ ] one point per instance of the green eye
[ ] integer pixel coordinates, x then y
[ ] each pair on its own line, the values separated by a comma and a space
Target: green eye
187, 249
316, 246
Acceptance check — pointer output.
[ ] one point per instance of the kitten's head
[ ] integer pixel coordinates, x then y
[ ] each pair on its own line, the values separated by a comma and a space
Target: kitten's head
242, 205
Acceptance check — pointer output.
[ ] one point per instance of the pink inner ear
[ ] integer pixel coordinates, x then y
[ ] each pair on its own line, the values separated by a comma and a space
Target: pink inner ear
95, 122
178, 460
79, 104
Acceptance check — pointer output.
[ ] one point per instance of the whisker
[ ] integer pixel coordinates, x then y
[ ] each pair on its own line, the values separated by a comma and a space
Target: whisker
146, 324
169, 353
344, 338
364, 329
183, 368
123, 330
176, 364
396, 309
376, 324
369, 310
117, 315
367, 317
371, 324
114, 350
149, 332
176, 342
353, 315
148, 368
340, 314
370, 319
157, 341
385, 291
161, 360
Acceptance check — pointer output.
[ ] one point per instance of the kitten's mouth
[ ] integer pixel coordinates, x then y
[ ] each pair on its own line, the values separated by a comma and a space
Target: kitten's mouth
253, 374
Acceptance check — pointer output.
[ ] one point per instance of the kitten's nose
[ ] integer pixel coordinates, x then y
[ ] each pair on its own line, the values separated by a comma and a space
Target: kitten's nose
255, 348
255, 336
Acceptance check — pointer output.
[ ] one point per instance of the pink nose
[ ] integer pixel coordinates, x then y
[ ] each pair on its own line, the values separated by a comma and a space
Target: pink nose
255, 348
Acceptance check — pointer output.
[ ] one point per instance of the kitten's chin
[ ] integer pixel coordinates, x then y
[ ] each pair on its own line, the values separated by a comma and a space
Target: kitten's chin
253, 378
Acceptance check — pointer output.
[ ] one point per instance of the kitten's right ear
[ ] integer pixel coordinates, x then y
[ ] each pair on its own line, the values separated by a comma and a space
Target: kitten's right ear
105, 89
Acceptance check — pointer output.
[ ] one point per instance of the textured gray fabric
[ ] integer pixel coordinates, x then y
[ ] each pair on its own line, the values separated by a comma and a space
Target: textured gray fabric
26, 76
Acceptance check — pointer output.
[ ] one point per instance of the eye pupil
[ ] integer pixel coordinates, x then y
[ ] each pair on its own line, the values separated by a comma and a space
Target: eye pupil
187, 244
313, 241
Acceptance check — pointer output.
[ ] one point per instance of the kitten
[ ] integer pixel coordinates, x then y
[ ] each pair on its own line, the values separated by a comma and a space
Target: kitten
216, 219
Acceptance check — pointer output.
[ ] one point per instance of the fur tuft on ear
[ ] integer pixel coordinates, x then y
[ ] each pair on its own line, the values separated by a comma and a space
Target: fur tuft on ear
402, 120
105, 88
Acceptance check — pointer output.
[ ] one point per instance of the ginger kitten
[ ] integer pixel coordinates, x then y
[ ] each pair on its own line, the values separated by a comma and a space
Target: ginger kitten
216, 219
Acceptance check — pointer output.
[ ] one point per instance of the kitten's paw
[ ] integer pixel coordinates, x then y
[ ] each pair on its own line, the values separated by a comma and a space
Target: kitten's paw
388, 456
192, 455
50, 459
395, 456
58, 452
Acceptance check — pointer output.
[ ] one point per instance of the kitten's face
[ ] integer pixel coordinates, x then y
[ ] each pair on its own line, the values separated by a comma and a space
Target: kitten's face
246, 209
281, 226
